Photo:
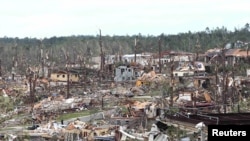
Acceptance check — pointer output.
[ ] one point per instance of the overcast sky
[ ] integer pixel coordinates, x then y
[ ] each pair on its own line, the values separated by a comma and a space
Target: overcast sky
48, 18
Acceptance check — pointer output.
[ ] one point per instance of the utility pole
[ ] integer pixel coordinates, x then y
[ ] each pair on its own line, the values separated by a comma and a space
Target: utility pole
0, 67
102, 55
197, 46
248, 59
42, 58
31, 89
84, 71
66, 55
136, 38
159, 44
216, 82
67, 67
32, 81
102, 102
14, 65
68, 82
224, 85
234, 89
172, 82
49, 57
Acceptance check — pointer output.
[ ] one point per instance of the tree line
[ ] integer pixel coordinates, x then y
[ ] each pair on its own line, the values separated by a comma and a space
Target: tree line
24, 52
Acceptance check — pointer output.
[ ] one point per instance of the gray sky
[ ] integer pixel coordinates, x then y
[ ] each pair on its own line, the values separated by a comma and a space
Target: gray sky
48, 18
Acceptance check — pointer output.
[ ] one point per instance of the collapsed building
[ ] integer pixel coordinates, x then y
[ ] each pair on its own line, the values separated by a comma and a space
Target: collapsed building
193, 95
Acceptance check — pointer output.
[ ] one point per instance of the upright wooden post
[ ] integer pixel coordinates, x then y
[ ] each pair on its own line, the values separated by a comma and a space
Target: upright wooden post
42, 58
101, 55
68, 82
0, 68
14, 67
31, 89
135, 49
224, 85
197, 46
159, 44
172, 82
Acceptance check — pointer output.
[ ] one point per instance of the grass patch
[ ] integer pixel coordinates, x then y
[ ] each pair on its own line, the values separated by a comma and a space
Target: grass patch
67, 116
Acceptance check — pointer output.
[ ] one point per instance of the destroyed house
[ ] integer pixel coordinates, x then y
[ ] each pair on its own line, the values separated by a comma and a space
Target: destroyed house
212, 56
126, 73
181, 56
140, 58
183, 73
184, 69
62, 76
230, 56
168, 56
190, 69
236, 55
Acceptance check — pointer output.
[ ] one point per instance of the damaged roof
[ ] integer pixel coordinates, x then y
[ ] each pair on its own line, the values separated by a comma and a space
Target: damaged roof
237, 52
